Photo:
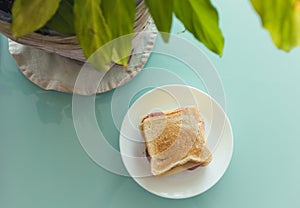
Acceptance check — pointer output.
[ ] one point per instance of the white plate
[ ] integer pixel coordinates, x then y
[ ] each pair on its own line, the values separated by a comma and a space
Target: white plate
187, 183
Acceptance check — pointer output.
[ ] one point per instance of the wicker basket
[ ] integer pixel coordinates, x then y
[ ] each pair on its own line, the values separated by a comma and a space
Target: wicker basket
53, 62
67, 46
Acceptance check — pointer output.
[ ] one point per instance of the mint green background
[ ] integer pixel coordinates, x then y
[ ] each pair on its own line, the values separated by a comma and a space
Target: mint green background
43, 165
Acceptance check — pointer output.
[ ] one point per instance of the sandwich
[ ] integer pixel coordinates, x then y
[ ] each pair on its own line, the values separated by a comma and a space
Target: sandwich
175, 140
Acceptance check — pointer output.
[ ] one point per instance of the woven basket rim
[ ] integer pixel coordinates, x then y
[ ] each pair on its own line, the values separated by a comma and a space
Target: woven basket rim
67, 45
6, 17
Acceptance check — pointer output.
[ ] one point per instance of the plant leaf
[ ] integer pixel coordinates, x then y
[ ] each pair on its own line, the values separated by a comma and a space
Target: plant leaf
161, 12
92, 31
120, 17
201, 19
30, 15
63, 20
282, 19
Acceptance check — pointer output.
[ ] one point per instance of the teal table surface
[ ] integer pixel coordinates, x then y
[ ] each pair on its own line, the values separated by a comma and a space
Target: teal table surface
42, 163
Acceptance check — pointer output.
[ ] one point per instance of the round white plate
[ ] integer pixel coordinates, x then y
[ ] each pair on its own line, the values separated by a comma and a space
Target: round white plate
187, 183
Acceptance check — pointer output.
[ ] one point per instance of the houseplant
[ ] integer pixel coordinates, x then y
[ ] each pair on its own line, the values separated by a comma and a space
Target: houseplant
93, 23
96, 22
52, 39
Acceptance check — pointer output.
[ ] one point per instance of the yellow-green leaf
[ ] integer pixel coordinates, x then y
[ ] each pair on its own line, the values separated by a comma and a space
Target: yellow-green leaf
120, 17
201, 19
282, 19
161, 11
30, 15
92, 31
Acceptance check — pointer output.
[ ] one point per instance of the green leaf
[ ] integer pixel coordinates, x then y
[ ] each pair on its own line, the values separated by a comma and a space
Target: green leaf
63, 20
161, 11
201, 19
92, 31
30, 15
120, 17
282, 19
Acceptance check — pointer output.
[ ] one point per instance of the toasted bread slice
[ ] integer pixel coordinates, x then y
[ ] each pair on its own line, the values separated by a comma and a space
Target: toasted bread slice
175, 140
